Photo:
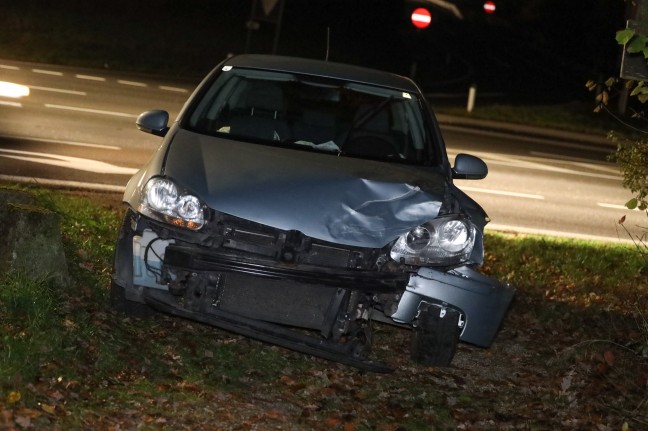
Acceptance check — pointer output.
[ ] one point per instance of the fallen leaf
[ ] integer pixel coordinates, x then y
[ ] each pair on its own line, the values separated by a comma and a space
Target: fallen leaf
48, 408
56, 395
274, 414
350, 426
333, 422
288, 381
23, 421
13, 397
609, 357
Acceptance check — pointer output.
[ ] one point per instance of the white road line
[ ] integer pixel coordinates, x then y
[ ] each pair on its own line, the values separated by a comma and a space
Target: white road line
58, 90
47, 72
132, 83
63, 184
615, 206
176, 89
58, 141
12, 104
568, 158
91, 78
77, 163
502, 193
90, 111
7, 67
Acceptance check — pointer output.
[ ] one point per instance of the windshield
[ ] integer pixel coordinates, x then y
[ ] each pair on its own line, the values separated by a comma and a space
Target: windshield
334, 116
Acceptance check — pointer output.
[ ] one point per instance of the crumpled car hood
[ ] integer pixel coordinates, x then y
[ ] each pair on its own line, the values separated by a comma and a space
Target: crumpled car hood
338, 199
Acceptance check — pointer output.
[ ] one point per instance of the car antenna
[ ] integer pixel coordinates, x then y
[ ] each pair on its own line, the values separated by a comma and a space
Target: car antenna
328, 42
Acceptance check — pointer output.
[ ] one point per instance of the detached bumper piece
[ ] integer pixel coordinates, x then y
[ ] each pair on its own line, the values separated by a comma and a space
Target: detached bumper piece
267, 301
482, 300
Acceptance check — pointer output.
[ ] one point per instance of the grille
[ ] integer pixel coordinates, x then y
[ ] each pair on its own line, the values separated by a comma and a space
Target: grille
327, 256
281, 301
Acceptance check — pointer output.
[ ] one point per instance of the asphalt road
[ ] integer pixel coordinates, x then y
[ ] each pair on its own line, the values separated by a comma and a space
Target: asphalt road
76, 127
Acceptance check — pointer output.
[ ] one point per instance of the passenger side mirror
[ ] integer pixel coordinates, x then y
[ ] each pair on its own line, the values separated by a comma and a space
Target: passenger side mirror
469, 167
153, 122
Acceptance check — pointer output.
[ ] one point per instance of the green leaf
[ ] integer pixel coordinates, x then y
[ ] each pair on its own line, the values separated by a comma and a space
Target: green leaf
610, 82
632, 203
624, 36
639, 89
637, 44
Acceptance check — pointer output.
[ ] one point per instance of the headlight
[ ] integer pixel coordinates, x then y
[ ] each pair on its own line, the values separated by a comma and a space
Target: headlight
442, 241
162, 200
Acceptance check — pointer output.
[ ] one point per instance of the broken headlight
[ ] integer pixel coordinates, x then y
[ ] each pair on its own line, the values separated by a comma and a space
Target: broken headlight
162, 200
442, 241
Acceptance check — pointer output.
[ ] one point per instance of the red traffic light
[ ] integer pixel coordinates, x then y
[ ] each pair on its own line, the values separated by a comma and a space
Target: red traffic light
421, 17
489, 7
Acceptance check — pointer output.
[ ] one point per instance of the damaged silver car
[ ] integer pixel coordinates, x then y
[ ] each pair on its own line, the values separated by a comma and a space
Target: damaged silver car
297, 202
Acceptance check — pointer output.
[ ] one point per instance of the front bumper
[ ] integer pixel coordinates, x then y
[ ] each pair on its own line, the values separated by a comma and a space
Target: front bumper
483, 301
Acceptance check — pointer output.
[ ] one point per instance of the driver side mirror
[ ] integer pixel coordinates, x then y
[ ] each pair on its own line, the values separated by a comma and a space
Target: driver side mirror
469, 167
153, 122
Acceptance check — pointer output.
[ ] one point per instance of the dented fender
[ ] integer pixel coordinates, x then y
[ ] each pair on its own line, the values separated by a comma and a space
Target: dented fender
483, 301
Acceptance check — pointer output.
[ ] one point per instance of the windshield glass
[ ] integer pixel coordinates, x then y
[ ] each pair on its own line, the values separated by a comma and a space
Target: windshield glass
339, 117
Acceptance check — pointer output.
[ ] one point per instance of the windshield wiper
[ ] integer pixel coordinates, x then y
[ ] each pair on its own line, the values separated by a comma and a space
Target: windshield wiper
328, 146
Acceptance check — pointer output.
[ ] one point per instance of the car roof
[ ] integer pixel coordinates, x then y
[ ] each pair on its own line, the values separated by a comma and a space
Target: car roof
323, 69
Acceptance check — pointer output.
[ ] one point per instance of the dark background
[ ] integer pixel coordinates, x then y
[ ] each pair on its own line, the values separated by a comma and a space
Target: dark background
529, 50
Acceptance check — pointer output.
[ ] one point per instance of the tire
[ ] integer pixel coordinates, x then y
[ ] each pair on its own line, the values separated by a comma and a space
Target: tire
435, 338
122, 277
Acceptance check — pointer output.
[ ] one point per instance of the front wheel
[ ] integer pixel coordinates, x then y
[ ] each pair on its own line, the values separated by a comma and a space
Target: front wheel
435, 337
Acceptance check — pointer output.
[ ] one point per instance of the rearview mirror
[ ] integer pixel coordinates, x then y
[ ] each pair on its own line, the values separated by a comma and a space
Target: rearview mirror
153, 122
469, 167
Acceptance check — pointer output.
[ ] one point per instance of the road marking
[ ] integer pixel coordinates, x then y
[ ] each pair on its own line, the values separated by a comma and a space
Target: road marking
63, 183
7, 67
176, 89
579, 162
90, 111
12, 104
62, 142
47, 72
616, 206
58, 90
568, 158
132, 83
502, 193
77, 163
91, 78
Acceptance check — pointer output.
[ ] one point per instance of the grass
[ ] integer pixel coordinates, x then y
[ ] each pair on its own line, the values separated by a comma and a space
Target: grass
578, 272
67, 361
